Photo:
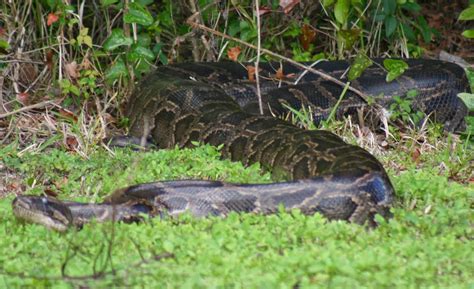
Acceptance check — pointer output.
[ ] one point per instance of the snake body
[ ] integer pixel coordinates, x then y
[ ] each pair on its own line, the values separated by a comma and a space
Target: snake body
216, 103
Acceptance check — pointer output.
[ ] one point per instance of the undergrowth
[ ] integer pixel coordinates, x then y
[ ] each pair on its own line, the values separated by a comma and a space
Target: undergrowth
428, 243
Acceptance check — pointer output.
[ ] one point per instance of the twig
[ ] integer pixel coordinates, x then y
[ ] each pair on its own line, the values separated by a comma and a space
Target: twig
43, 72
195, 50
323, 75
61, 47
196, 55
2, 103
29, 107
257, 61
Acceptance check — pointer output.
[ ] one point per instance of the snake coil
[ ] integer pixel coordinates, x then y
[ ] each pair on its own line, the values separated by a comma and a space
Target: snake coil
215, 103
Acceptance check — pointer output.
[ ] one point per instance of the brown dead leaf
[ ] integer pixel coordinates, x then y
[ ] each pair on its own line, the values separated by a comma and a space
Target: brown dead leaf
281, 76
28, 72
415, 155
233, 53
72, 70
251, 72
49, 60
71, 143
264, 10
13, 186
436, 20
51, 18
67, 114
287, 5
384, 144
49, 192
61, 183
23, 98
86, 64
279, 73
307, 36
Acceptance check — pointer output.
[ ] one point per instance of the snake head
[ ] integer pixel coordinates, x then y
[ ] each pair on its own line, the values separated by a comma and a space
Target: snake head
45, 211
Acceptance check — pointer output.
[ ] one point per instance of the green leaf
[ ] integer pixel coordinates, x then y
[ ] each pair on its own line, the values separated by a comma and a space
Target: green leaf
247, 31
379, 17
68, 87
116, 71
84, 38
395, 68
348, 37
144, 39
75, 90
139, 52
390, 25
138, 14
234, 28
293, 30
360, 64
468, 33
145, 2
341, 11
53, 3
389, 7
468, 99
467, 14
117, 39
106, 3
405, 106
161, 55
327, 3
168, 246
412, 93
411, 6
141, 67
469, 126
163, 58
424, 29
84, 31
408, 32
4, 44
88, 41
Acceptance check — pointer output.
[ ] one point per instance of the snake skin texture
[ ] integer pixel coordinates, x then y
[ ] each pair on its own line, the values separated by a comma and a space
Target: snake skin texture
216, 103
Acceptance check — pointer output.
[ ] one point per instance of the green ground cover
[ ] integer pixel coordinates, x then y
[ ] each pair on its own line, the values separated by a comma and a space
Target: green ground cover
428, 243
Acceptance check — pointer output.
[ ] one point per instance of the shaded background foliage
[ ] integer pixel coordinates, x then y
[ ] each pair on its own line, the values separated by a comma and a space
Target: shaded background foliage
75, 51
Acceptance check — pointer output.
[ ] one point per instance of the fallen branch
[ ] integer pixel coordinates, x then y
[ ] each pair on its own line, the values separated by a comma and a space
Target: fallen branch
29, 107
